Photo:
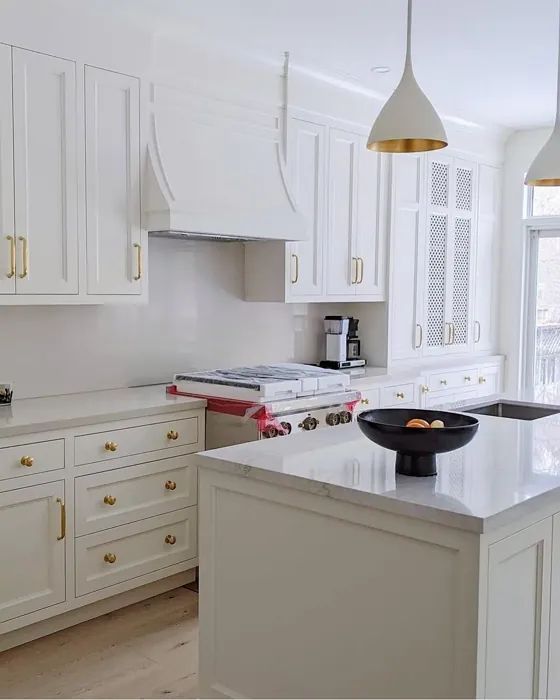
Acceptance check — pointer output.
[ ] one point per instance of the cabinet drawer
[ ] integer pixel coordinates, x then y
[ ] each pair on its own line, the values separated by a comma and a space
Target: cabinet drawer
32, 458
396, 396
453, 380
132, 493
369, 400
443, 399
489, 381
122, 553
110, 444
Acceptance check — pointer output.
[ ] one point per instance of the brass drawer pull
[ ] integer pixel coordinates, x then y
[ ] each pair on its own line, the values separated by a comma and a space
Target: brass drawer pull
482, 380
111, 446
360, 279
62, 519
139, 270
170, 539
170, 485
24, 257
443, 382
425, 388
172, 435
110, 500
26, 461
365, 401
420, 341
354, 271
295, 278
400, 395
110, 558
12, 242
468, 379
478, 331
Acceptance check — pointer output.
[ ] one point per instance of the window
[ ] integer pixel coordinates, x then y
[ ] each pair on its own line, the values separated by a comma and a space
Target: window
543, 201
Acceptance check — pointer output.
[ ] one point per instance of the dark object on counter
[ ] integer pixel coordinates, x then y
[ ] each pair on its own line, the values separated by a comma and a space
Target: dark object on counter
6, 393
416, 448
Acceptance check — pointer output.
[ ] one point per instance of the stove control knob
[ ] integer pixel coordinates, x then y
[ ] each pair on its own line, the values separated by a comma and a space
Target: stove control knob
309, 423
269, 432
345, 417
286, 427
333, 419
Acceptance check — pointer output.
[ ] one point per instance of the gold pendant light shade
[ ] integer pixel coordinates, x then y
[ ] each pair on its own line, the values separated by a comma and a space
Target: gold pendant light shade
408, 122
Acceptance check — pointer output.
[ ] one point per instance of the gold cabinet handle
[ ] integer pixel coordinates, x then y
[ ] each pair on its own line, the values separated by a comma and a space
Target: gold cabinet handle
421, 340
361, 270
170, 485
295, 278
468, 379
110, 558
26, 461
172, 435
24, 257
170, 539
400, 395
354, 271
425, 388
482, 380
478, 331
452, 334
443, 382
111, 446
110, 500
62, 519
365, 402
447, 340
12, 241
139, 270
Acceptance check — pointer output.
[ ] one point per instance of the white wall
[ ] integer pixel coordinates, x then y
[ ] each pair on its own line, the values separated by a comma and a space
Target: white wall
196, 318
521, 148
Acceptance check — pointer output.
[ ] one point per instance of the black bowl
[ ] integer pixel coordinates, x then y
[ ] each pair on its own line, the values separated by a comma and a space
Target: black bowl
417, 447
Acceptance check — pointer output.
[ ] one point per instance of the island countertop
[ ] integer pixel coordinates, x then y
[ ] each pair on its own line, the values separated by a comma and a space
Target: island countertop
510, 468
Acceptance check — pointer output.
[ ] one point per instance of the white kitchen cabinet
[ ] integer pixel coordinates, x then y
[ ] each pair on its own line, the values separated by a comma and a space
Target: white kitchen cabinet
45, 174
554, 641
7, 231
31, 549
112, 137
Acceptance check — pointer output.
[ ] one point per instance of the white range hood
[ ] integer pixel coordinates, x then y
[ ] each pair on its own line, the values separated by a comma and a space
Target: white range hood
216, 170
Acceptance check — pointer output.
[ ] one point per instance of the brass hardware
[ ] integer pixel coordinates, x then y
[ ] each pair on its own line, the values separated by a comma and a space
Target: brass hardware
24, 257
452, 334
111, 446
443, 381
360, 262
172, 435
467, 379
170, 485
447, 340
12, 241
110, 558
419, 327
62, 519
26, 461
138, 274
425, 388
110, 500
477, 328
170, 539
295, 278
365, 401
400, 395
407, 145
482, 380
354, 271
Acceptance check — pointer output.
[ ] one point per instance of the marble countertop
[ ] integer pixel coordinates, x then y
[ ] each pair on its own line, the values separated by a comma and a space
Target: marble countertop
57, 412
510, 468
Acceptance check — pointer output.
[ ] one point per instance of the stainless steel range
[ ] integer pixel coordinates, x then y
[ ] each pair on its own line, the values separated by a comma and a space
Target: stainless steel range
266, 401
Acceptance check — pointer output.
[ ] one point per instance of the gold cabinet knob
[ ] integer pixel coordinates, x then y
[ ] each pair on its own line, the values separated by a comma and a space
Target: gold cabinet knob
400, 395
482, 380
467, 379
110, 558
110, 500
425, 388
443, 382
170, 485
111, 446
170, 539
172, 435
26, 461
365, 401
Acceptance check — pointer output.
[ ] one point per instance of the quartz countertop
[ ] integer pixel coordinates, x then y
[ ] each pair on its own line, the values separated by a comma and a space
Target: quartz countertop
510, 468
58, 412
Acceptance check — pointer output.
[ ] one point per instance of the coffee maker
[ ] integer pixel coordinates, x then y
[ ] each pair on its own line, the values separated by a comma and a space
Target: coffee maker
342, 343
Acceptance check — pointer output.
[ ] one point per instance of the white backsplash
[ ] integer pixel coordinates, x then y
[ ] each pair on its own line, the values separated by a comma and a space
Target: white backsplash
196, 319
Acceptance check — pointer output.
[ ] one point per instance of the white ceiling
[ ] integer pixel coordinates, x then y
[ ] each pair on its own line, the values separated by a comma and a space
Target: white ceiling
489, 61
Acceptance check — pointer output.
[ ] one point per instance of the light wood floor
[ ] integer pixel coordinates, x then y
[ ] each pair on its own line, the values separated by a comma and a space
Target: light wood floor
148, 650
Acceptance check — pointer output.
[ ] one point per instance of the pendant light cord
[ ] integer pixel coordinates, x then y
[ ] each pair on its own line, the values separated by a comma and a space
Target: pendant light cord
408, 59
557, 122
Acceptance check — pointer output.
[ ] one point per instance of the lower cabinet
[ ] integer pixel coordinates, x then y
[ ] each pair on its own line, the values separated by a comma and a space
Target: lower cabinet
32, 549
554, 633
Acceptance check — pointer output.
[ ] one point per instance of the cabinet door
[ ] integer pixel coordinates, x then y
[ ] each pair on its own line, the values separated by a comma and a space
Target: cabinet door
518, 610
32, 557
44, 95
554, 650
114, 253
370, 225
342, 264
461, 264
406, 322
307, 167
486, 273
7, 272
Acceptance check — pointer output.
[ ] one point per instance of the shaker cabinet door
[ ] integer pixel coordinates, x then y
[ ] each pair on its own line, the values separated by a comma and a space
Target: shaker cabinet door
45, 170
115, 257
7, 240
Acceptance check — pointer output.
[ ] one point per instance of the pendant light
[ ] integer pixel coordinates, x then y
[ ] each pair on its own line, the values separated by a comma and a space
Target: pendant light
408, 122
545, 169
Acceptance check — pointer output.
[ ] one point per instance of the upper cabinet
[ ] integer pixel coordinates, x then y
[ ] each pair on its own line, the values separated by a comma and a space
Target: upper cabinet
112, 138
339, 187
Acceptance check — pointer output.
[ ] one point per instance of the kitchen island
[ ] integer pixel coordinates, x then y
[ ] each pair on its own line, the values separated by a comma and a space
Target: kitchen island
323, 574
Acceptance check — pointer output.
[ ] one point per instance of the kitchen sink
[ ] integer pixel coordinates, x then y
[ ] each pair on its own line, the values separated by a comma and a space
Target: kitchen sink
518, 411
